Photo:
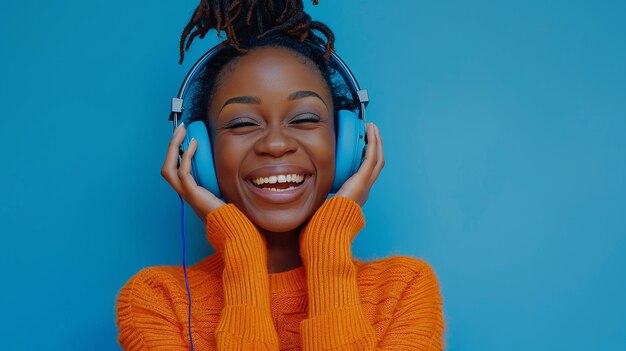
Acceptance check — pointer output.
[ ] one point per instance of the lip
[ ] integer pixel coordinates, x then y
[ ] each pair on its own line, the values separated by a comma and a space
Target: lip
274, 196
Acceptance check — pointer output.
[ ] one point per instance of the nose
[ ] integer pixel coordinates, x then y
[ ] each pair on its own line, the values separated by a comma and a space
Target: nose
275, 143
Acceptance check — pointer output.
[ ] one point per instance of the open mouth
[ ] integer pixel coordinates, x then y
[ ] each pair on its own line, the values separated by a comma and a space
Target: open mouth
279, 182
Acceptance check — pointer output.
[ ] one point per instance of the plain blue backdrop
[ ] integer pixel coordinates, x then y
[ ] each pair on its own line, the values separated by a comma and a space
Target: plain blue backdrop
505, 139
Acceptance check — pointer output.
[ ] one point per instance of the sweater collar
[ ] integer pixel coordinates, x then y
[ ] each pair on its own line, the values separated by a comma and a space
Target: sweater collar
292, 280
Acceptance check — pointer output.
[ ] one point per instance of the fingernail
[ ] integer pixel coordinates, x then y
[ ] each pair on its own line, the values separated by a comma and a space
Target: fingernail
180, 125
192, 140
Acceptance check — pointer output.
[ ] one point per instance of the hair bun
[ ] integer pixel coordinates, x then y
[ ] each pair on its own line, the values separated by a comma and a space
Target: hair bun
245, 20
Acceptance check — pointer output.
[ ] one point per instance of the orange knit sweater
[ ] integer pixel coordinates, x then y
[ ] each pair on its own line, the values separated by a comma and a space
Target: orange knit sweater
331, 302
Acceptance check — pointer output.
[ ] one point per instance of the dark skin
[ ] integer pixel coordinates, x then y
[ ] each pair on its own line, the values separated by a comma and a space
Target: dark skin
272, 114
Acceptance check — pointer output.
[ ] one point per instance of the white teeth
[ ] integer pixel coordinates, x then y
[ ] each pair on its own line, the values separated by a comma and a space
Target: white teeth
279, 190
279, 178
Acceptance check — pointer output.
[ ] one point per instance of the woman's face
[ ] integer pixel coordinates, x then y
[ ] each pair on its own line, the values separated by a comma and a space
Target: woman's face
272, 130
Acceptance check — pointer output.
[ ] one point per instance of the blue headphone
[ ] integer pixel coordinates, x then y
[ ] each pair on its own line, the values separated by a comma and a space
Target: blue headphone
350, 145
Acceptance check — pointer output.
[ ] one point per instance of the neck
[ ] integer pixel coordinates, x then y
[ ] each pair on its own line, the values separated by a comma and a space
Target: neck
283, 250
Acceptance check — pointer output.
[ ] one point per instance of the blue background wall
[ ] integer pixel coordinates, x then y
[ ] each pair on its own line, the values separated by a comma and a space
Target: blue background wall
504, 128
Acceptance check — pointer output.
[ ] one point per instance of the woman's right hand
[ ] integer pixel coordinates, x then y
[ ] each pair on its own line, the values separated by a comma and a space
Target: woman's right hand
179, 177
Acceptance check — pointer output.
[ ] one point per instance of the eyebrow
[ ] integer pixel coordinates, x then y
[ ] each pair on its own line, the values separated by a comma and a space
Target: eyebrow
242, 100
304, 93
256, 100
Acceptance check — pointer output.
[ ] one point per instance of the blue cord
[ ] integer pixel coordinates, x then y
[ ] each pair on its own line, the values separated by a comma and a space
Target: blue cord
182, 229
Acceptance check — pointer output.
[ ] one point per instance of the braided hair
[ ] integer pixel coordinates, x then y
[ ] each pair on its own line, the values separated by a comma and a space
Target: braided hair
262, 19
251, 24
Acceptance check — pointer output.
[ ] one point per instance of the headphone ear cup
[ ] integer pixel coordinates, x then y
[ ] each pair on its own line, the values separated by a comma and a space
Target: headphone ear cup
202, 166
349, 148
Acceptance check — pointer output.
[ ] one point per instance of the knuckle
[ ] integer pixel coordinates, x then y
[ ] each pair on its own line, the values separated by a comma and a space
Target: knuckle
186, 155
165, 173
185, 178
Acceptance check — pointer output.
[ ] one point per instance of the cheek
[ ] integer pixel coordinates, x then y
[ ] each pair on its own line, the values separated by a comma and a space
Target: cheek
322, 152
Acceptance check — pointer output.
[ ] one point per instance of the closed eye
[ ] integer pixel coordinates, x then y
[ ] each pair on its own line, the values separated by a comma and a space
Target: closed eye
239, 123
306, 118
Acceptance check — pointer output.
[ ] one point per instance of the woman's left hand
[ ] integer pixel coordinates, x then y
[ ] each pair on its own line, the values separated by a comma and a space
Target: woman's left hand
358, 186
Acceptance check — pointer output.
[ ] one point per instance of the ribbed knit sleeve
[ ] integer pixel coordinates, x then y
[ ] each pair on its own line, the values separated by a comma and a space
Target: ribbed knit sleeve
336, 320
336, 317
246, 320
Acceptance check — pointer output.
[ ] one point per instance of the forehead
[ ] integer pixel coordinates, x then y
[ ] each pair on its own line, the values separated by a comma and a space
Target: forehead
269, 70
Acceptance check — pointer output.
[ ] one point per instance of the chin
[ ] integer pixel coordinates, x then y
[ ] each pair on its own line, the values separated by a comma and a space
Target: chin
280, 224
281, 220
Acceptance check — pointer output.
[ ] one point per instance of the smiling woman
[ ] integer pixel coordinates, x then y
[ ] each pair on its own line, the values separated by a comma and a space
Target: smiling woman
283, 276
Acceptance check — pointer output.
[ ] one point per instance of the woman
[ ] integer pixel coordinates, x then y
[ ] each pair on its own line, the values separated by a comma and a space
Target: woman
282, 276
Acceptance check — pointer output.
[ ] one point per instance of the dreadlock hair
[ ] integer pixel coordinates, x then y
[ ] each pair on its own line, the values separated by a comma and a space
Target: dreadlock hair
262, 18
251, 24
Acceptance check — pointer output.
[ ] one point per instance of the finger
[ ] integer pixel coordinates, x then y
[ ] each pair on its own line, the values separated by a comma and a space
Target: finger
184, 170
370, 152
170, 166
380, 158
173, 150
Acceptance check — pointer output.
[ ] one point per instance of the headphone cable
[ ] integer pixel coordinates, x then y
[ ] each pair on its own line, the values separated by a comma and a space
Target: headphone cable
182, 230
